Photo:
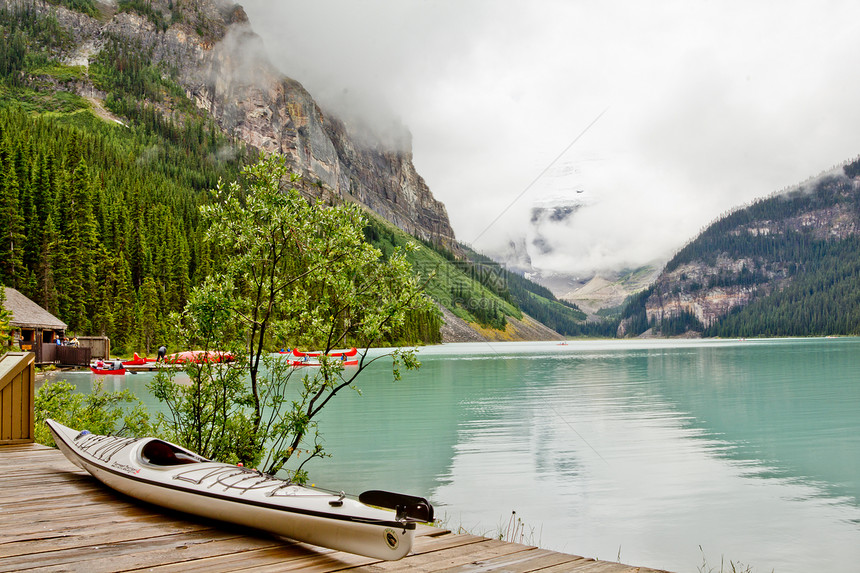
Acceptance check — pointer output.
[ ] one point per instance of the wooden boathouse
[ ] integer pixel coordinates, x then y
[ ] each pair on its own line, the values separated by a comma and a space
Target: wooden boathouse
56, 517
36, 330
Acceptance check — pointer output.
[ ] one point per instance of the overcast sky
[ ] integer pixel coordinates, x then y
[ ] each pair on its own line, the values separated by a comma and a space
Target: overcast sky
705, 105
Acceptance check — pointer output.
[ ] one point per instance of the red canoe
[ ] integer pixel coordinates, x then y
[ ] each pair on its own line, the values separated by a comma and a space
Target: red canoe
335, 353
299, 358
137, 361
198, 357
107, 367
316, 363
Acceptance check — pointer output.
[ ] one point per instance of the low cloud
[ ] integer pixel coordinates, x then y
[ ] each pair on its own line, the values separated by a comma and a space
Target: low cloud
710, 105
246, 57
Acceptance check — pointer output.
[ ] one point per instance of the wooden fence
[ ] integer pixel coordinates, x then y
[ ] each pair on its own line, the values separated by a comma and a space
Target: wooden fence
71, 356
90, 347
99, 345
48, 351
17, 387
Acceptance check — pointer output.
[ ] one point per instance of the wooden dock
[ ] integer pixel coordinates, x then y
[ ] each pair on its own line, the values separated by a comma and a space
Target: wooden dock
56, 517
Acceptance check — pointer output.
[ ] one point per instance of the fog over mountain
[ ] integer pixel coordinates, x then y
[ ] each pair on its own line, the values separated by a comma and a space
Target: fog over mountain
708, 105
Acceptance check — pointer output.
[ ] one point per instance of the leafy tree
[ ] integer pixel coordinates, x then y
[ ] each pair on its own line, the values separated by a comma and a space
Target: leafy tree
295, 274
209, 415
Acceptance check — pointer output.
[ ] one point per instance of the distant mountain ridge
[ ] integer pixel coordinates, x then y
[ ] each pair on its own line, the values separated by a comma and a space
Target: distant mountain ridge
787, 265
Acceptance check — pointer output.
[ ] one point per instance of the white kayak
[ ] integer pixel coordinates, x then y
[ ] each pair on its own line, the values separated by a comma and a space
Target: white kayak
168, 475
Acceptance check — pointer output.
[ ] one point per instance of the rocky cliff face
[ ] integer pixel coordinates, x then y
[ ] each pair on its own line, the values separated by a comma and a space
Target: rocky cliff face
713, 283
692, 288
222, 66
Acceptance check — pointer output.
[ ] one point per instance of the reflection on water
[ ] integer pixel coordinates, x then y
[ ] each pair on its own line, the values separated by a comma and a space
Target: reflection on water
643, 449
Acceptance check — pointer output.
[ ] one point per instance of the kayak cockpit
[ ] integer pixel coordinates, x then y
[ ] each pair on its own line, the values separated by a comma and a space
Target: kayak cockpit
159, 453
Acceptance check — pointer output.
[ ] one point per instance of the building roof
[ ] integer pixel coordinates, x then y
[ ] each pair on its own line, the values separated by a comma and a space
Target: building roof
28, 314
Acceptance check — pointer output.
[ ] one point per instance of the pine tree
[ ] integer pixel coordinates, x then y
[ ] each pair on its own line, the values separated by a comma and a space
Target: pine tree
27, 206
12, 271
101, 317
179, 281
149, 300
124, 306
79, 283
46, 295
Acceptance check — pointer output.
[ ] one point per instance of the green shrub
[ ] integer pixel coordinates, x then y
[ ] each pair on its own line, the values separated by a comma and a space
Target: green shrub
99, 412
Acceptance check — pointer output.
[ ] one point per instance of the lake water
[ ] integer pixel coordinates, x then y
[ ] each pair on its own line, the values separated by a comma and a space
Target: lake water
668, 454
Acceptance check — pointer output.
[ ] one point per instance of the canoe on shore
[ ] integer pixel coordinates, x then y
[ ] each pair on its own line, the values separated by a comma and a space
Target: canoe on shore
317, 353
165, 474
137, 361
299, 358
304, 362
199, 357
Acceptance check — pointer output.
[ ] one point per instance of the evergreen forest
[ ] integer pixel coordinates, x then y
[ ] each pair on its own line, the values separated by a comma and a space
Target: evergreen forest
100, 219
801, 253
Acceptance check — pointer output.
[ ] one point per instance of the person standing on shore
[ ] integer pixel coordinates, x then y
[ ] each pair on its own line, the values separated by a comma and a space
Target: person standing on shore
162, 351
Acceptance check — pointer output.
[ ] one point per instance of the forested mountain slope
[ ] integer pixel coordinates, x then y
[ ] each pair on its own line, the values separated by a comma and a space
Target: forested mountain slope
787, 265
172, 58
490, 302
117, 119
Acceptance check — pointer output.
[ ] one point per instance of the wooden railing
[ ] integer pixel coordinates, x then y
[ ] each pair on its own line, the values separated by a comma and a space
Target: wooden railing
17, 387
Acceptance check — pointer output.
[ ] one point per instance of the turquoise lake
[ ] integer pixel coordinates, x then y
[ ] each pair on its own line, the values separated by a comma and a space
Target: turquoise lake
678, 455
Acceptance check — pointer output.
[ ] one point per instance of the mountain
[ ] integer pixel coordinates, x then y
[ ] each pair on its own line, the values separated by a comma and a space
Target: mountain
604, 294
216, 62
548, 246
786, 265
480, 299
116, 121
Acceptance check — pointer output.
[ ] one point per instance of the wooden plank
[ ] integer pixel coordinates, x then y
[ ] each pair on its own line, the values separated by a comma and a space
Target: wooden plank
12, 515
24, 459
447, 558
437, 543
470, 556
17, 388
62, 539
298, 557
38, 461
50, 492
72, 480
519, 562
34, 447
22, 451
246, 560
18, 479
71, 525
6, 410
61, 501
314, 559
595, 566
138, 553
